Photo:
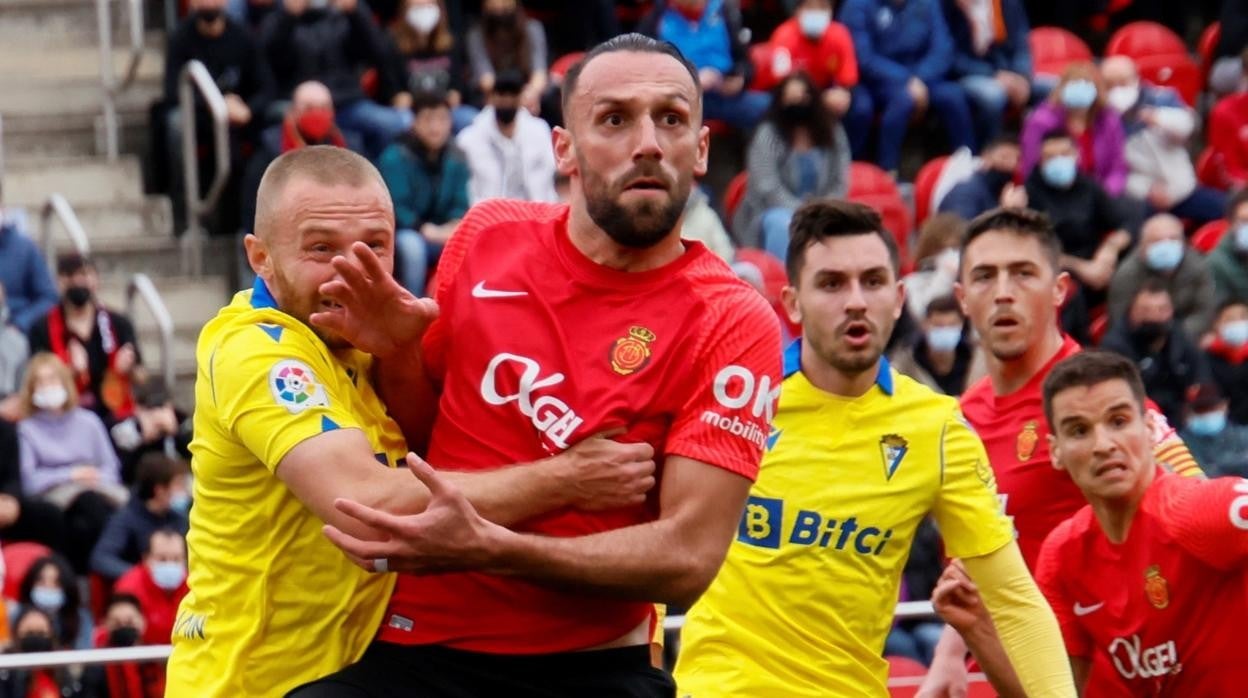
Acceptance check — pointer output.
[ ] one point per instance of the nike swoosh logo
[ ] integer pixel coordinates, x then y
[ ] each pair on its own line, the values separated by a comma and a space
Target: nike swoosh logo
1081, 610
480, 291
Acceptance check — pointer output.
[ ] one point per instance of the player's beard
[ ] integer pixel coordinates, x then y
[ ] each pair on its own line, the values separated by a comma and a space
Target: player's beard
640, 225
301, 308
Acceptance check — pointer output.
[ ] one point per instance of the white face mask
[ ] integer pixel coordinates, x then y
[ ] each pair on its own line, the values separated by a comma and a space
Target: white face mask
50, 398
1123, 97
814, 23
424, 19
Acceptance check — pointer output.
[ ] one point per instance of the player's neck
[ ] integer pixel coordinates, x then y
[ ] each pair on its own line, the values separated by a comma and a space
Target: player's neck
832, 380
594, 243
1115, 515
1010, 375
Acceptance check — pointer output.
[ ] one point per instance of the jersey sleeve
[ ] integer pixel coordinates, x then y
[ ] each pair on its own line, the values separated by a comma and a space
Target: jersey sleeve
1208, 518
1049, 575
1168, 447
967, 510
733, 390
274, 388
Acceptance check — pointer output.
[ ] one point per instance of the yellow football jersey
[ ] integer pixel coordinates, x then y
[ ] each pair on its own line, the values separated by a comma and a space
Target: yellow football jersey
272, 603
805, 599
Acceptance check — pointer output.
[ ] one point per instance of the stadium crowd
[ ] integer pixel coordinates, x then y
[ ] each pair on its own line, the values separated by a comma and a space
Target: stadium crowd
932, 111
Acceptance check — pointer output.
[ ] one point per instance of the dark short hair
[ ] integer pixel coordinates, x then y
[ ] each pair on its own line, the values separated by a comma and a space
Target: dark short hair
154, 470
1006, 138
122, 598
71, 263
1229, 303
1237, 199
428, 100
1024, 222
1054, 134
163, 532
1089, 368
633, 43
943, 304
819, 219
509, 81
1151, 284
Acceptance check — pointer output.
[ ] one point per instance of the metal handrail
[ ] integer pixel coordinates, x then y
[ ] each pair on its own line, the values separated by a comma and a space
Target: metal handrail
108, 78
142, 288
905, 610
196, 77
58, 205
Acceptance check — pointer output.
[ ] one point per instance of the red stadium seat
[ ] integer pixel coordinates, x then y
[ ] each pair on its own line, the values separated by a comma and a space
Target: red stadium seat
1098, 326
924, 185
1174, 70
1209, 170
1207, 46
1161, 57
1209, 235
1144, 39
563, 64
1053, 48
775, 278
734, 194
18, 559
771, 65
870, 185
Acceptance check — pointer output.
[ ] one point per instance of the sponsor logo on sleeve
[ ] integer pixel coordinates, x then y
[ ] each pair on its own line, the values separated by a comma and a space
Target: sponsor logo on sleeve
737, 389
1239, 506
295, 387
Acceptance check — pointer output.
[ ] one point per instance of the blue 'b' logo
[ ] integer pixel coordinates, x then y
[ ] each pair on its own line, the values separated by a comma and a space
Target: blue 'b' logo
761, 522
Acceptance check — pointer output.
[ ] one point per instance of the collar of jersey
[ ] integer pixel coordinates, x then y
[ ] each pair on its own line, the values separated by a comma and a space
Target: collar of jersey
793, 364
261, 297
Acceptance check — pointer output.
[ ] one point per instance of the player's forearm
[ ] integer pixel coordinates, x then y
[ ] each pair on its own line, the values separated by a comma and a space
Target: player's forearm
409, 397
509, 495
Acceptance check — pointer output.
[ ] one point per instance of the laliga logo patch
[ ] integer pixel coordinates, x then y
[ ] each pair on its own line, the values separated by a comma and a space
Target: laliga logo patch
294, 386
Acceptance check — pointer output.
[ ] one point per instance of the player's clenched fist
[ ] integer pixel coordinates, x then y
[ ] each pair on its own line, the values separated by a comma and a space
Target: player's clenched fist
606, 474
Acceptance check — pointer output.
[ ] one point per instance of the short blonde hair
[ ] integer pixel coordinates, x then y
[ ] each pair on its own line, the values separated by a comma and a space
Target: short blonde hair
52, 361
323, 164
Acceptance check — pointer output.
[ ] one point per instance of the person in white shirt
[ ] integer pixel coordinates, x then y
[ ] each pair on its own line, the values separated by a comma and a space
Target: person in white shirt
508, 149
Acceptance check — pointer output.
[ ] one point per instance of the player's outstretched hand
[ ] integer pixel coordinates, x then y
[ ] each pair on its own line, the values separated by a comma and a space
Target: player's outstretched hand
374, 312
956, 599
448, 536
602, 473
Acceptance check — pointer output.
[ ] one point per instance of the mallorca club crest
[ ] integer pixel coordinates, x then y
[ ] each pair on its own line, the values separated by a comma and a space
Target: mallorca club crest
1027, 440
1156, 588
294, 386
892, 449
632, 352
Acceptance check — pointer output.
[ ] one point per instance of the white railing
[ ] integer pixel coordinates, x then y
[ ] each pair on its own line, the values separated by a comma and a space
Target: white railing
142, 288
108, 77
57, 205
195, 77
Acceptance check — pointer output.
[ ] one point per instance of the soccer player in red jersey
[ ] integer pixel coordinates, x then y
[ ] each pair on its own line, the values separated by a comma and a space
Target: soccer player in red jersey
558, 322
1011, 287
1149, 580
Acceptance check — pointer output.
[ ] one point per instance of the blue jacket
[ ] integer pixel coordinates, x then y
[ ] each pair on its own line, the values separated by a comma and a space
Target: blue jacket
422, 194
125, 536
1013, 54
712, 42
970, 197
895, 41
24, 273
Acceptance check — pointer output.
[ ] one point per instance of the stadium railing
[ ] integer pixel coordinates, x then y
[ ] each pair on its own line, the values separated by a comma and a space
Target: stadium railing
141, 288
195, 78
58, 206
109, 85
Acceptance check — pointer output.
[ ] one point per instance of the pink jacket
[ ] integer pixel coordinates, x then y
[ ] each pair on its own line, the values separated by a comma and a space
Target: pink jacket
1108, 143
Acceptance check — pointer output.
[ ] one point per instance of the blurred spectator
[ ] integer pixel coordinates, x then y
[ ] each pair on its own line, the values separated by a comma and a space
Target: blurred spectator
233, 58
508, 150
155, 427
308, 121
990, 187
161, 501
1228, 136
508, 40
917, 639
1229, 260
936, 255
1077, 106
1158, 126
14, 350
23, 518
24, 275
991, 59
1087, 222
798, 152
124, 626
1219, 446
1169, 362
428, 182
1227, 354
824, 50
332, 41
67, 459
96, 343
1227, 75
1164, 254
904, 56
159, 583
51, 586
577, 26
427, 60
33, 632
943, 357
708, 33
700, 222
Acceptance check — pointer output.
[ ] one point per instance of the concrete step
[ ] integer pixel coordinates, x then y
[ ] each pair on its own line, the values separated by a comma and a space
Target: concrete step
190, 302
159, 256
82, 181
26, 73
60, 136
146, 220
57, 23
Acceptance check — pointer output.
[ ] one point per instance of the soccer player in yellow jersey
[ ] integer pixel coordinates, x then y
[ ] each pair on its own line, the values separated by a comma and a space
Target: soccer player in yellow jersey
857, 456
287, 420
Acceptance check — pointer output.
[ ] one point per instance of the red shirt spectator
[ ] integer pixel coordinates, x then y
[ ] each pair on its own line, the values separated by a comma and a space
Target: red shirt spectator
159, 584
1228, 136
829, 60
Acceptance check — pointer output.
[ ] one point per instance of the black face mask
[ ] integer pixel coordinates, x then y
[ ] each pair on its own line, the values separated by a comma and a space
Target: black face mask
125, 636
505, 115
35, 643
208, 16
797, 114
997, 179
1149, 332
498, 20
77, 296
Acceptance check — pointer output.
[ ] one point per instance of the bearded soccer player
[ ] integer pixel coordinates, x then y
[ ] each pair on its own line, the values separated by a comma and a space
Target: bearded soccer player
286, 420
859, 455
1011, 287
1150, 579
559, 321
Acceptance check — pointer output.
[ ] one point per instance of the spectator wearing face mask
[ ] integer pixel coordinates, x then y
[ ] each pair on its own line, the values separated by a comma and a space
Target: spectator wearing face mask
1219, 445
507, 40
159, 583
33, 632
991, 186
161, 501
1163, 254
125, 626
1229, 260
155, 427
936, 254
508, 149
991, 58
14, 350
1227, 354
51, 587
1158, 126
824, 50
943, 356
427, 60
97, 343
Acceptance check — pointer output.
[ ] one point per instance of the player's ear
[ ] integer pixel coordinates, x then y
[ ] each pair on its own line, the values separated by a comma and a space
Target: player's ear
901, 300
1055, 453
704, 151
788, 298
959, 292
565, 151
258, 256
1061, 289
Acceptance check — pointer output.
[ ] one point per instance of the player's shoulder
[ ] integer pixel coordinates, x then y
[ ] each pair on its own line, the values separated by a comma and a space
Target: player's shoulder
494, 215
728, 299
913, 395
1070, 534
977, 396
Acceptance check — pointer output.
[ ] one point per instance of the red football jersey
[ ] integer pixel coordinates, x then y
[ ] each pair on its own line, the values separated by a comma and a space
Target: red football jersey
538, 347
1015, 433
1163, 614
